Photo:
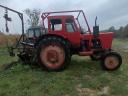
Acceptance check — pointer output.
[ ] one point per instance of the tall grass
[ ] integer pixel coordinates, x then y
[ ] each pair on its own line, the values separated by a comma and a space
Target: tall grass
10, 39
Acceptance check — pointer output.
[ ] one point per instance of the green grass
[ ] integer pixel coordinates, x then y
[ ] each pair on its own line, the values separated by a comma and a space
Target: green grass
83, 78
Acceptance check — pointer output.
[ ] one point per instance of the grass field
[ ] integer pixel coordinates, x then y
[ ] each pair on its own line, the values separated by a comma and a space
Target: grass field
83, 78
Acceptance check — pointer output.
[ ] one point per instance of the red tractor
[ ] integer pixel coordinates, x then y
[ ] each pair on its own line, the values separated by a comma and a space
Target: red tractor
53, 46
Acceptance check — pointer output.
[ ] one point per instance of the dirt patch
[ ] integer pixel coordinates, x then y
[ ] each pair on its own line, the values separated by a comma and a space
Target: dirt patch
105, 91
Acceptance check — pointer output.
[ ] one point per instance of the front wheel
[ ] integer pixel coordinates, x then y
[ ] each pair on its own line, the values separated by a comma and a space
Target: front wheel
111, 61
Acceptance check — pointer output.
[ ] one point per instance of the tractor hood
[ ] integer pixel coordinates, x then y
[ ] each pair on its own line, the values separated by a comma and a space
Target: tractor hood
105, 37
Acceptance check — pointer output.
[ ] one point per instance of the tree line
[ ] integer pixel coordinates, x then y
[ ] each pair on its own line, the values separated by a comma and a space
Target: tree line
122, 32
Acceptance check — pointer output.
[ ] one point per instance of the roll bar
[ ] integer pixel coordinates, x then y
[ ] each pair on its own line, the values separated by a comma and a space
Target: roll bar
46, 14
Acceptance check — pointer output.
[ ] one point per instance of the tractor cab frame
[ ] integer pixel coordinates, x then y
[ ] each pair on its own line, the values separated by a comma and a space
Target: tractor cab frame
47, 15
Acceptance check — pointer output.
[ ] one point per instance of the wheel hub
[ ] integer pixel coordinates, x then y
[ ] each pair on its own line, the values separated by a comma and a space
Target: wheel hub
111, 62
52, 56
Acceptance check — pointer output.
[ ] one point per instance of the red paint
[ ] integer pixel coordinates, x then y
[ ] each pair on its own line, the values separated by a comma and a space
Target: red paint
72, 37
105, 37
87, 53
76, 37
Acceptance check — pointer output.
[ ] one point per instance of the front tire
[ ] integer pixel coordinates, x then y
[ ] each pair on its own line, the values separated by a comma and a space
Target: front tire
54, 54
111, 61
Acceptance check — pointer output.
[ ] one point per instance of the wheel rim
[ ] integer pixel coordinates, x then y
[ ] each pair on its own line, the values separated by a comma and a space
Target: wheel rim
111, 62
52, 56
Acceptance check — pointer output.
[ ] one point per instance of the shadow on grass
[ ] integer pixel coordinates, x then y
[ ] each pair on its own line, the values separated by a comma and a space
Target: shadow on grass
84, 63
4, 67
77, 64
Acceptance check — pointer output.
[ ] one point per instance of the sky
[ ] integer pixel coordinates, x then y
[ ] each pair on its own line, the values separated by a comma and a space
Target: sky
109, 12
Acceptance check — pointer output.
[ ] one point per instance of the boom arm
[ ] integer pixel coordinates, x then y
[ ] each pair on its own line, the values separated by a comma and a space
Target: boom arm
22, 21
11, 48
19, 14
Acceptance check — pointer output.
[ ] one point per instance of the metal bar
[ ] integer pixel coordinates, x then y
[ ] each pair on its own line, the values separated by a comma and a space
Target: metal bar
18, 41
46, 15
10, 9
78, 14
62, 12
22, 22
86, 22
78, 23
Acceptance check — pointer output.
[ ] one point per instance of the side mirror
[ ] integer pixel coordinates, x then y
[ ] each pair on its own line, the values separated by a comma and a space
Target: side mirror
96, 29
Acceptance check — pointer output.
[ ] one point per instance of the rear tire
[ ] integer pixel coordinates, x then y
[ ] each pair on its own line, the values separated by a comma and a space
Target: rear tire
54, 54
111, 61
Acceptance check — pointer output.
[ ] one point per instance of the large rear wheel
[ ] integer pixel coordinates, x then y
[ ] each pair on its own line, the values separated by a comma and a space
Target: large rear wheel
54, 54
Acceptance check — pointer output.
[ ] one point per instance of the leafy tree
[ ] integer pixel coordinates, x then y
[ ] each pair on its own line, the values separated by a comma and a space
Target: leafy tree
125, 31
34, 16
112, 29
122, 32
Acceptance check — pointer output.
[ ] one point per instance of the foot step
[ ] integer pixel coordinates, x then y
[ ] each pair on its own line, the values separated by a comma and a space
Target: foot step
88, 53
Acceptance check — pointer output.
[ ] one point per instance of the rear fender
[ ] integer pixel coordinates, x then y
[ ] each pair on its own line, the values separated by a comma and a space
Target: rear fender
50, 35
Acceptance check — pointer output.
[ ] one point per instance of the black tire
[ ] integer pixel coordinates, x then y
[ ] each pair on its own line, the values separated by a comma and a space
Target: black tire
59, 43
111, 61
